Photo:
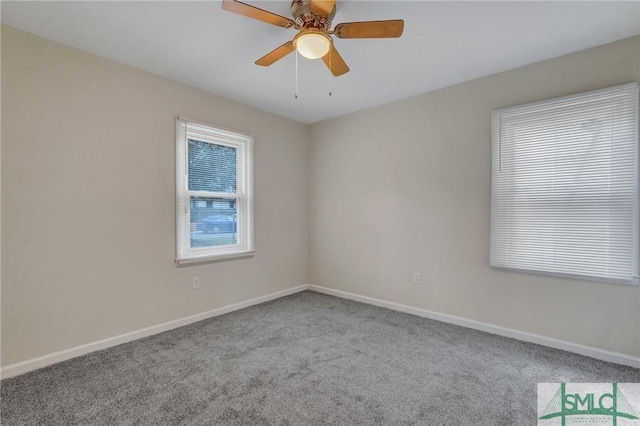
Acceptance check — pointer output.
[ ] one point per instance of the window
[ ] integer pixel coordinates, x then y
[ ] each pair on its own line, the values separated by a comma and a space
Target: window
214, 200
564, 193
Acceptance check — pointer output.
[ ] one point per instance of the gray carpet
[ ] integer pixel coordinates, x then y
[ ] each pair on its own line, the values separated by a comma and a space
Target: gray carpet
306, 359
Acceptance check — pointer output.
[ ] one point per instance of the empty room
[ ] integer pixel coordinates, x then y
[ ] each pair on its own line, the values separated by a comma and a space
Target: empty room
320, 212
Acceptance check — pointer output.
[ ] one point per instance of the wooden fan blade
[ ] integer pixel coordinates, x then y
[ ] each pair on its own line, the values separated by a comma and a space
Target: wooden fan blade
322, 7
256, 13
370, 29
276, 54
335, 63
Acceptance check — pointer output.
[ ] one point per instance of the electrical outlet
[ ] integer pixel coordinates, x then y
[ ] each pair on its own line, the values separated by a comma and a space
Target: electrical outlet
416, 277
196, 282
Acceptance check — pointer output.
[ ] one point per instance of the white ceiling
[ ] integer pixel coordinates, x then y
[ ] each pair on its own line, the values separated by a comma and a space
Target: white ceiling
444, 43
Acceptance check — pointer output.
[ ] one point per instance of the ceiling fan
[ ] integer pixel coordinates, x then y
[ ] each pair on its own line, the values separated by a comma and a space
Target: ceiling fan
312, 19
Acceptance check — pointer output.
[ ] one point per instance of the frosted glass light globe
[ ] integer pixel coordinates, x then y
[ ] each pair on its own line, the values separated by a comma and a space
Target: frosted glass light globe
312, 45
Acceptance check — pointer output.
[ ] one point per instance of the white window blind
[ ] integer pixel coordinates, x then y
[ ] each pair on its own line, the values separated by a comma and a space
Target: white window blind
214, 199
564, 194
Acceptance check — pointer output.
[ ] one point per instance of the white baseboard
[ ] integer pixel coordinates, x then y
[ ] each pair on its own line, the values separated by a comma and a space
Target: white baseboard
55, 357
589, 351
18, 368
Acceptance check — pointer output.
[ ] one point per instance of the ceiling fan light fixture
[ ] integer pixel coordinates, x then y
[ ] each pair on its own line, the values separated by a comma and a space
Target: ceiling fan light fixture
312, 44
312, 18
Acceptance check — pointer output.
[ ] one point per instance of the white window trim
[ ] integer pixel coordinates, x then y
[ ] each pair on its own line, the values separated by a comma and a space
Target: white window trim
496, 144
244, 195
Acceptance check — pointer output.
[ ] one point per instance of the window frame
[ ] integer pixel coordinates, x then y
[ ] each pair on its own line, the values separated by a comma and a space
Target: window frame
243, 143
496, 144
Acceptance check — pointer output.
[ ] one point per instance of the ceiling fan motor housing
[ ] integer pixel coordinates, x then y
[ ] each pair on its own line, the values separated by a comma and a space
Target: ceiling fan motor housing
304, 16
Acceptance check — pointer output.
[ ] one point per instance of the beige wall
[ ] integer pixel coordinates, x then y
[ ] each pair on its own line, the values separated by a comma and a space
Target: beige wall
88, 193
88, 182
405, 187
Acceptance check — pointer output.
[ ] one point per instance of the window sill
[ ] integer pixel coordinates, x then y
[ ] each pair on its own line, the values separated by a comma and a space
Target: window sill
634, 281
214, 258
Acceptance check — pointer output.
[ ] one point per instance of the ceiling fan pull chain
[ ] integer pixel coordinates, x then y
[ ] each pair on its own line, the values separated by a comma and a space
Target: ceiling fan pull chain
296, 95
